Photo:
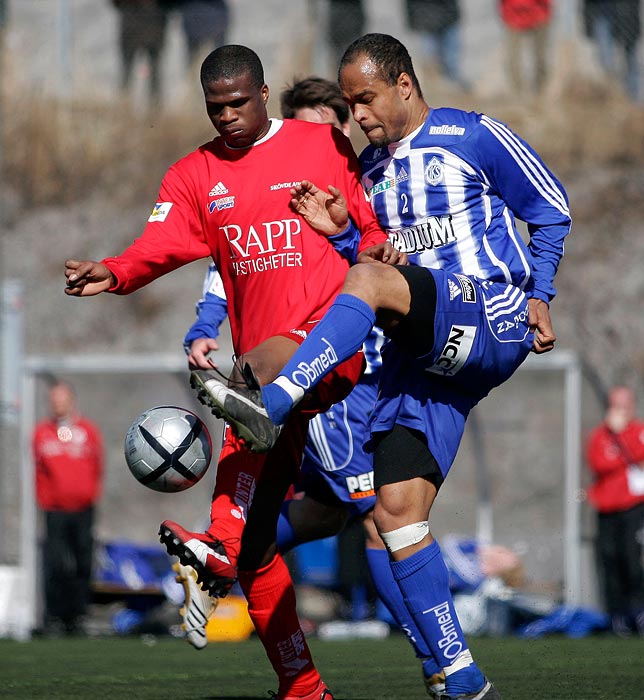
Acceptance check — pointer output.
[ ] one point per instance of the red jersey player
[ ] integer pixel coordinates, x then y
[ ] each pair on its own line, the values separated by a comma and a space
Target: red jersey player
230, 199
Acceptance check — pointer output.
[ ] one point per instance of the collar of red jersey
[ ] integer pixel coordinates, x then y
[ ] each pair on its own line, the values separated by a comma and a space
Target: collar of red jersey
276, 125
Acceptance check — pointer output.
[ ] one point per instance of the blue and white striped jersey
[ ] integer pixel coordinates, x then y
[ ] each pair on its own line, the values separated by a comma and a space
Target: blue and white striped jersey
212, 309
448, 195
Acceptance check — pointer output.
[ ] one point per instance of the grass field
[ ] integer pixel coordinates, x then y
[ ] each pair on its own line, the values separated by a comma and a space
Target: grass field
553, 668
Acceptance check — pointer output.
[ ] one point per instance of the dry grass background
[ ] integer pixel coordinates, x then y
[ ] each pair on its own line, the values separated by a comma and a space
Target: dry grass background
59, 152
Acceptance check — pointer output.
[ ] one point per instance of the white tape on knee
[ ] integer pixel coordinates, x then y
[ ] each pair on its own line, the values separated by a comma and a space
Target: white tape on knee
405, 536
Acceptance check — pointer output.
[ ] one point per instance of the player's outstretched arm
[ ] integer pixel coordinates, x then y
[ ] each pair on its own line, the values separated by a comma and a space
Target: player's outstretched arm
87, 277
540, 323
326, 212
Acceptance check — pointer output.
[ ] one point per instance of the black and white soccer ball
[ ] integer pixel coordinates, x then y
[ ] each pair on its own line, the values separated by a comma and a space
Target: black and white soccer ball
168, 448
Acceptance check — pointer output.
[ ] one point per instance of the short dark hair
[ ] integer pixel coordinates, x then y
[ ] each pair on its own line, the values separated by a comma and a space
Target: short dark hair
313, 92
231, 61
389, 55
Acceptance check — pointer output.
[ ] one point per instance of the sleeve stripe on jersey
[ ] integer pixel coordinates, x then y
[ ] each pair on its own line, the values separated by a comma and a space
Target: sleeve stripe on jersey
524, 157
506, 306
512, 232
534, 171
528, 163
500, 298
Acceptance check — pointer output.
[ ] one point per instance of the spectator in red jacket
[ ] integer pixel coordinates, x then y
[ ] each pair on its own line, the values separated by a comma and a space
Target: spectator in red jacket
615, 456
68, 456
527, 22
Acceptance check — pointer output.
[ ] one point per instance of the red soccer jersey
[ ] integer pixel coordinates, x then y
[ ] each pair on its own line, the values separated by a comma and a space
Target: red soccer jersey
608, 458
521, 15
69, 464
233, 204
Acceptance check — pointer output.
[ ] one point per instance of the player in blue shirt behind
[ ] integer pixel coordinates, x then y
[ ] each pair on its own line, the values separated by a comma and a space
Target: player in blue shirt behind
447, 185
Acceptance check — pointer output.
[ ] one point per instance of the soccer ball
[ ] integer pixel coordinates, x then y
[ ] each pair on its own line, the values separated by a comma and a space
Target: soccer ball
168, 448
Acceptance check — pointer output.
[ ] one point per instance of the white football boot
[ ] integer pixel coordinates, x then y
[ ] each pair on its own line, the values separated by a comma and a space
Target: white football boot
197, 608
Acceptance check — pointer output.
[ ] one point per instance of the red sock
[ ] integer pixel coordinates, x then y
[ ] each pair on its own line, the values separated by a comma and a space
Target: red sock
271, 606
238, 471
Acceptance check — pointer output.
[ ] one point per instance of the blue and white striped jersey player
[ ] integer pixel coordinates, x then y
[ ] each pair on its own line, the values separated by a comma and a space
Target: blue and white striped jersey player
336, 482
447, 185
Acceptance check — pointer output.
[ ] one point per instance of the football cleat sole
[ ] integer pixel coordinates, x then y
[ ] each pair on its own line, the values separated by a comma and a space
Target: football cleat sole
214, 584
198, 607
246, 416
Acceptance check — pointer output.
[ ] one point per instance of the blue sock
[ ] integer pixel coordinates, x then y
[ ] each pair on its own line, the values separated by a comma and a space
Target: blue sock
389, 592
339, 335
286, 538
424, 582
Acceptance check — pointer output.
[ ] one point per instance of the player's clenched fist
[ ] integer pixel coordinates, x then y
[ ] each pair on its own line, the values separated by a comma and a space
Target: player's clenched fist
541, 326
86, 278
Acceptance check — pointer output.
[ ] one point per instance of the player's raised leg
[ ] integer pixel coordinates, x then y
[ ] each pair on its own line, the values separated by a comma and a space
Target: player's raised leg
339, 335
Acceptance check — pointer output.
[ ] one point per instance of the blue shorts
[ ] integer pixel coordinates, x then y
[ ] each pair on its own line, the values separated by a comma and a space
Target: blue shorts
480, 336
336, 468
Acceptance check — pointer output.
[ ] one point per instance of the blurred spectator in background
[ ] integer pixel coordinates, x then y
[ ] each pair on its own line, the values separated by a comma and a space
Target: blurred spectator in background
347, 21
470, 562
205, 25
68, 456
527, 22
612, 24
318, 100
142, 25
438, 22
616, 459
